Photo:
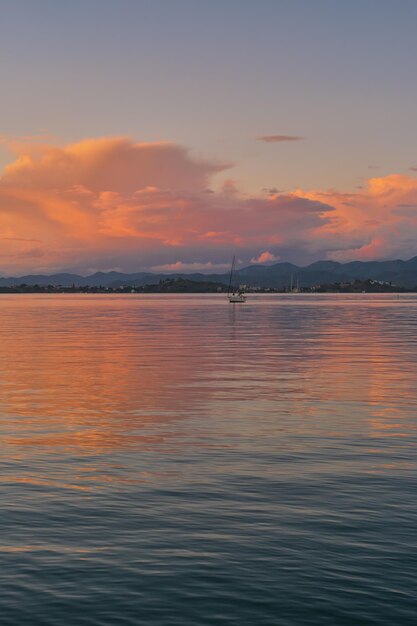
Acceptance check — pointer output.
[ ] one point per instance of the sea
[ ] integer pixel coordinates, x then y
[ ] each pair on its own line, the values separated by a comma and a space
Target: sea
179, 460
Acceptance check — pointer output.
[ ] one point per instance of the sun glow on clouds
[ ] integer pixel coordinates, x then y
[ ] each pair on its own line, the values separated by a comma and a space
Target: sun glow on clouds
179, 266
378, 222
116, 203
265, 257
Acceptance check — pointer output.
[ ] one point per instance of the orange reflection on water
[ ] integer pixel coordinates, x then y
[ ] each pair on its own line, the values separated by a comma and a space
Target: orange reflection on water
87, 378
360, 374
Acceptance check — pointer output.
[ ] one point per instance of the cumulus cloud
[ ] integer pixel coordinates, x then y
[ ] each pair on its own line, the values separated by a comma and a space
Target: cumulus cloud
367, 225
109, 203
115, 203
111, 164
279, 138
265, 257
179, 266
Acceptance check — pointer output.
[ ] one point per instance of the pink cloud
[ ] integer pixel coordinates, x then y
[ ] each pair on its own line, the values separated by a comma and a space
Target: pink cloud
113, 164
115, 203
179, 266
369, 224
265, 257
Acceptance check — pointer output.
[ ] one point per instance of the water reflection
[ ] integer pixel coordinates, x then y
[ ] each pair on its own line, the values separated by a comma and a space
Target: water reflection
92, 375
254, 458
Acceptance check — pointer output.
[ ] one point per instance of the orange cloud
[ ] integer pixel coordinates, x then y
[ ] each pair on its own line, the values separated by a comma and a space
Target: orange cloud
179, 266
111, 164
108, 203
378, 222
265, 257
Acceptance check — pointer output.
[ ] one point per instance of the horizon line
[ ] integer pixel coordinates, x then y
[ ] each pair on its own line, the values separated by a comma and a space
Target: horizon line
206, 272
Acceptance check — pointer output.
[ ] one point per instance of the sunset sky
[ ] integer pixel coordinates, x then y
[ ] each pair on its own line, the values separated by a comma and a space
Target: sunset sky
171, 134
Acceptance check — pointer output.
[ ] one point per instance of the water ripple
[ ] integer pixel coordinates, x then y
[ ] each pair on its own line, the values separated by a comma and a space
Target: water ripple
176, 460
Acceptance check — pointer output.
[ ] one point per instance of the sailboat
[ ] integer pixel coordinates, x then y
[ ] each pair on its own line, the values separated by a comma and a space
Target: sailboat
295, 289
234, 293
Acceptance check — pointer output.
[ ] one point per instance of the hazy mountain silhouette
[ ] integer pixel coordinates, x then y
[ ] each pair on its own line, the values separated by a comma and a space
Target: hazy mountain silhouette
401, 273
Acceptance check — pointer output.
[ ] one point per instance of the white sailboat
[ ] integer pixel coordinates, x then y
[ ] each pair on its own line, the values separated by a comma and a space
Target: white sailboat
235, 294
295, 289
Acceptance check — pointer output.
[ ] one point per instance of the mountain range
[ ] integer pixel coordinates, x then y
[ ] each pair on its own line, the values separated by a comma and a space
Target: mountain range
401, 273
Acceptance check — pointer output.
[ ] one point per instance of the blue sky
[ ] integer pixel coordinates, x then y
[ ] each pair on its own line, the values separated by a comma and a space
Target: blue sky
214, 75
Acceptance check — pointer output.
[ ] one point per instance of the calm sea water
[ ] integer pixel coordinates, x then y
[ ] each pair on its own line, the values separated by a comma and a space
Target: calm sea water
177, 460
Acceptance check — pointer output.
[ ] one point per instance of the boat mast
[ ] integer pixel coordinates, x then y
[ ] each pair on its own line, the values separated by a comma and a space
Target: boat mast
230, 287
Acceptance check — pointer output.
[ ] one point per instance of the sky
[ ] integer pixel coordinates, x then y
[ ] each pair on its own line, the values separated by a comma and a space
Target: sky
171, 134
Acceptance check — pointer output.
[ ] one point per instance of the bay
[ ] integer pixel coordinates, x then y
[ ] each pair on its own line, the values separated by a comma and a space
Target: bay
177, 460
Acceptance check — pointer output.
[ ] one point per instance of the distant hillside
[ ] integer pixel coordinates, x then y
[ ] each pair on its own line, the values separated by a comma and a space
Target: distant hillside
401, 273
